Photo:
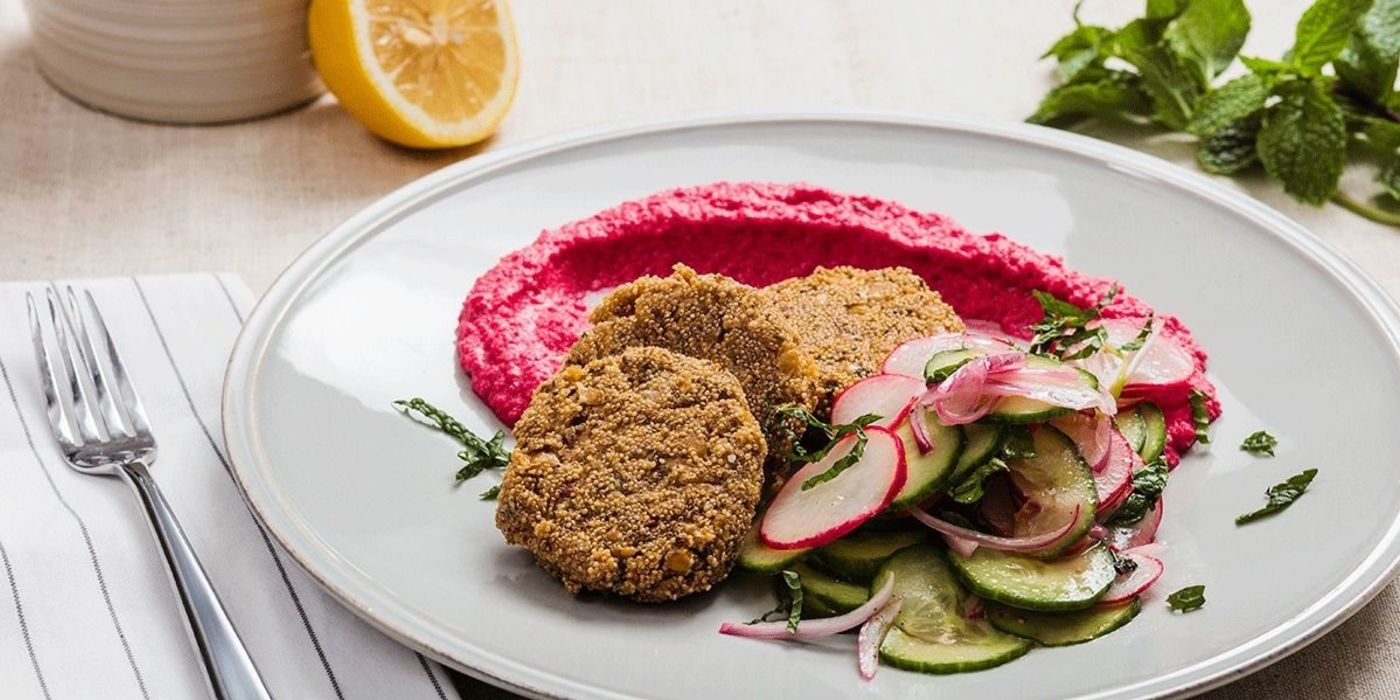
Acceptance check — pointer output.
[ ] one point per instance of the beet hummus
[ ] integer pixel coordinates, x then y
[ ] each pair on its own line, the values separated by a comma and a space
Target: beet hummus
522, 316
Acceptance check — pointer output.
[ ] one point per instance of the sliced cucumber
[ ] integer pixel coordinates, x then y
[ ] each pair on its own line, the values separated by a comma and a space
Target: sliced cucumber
980, 443
1066, 628
1058, 480
1019, 409
926, 473
1155, 431
814, 607
930, 633
1131, 425
858, 557
837, 595
758, 558
944, 363
1069, 583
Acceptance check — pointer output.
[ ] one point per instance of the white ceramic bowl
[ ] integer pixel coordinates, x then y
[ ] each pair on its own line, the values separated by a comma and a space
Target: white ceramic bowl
194, 61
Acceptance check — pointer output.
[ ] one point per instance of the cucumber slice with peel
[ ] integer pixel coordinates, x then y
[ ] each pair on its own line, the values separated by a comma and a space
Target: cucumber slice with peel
925, 473
1066, 628
1131, 425
1058, 481
859, 556
1069, 583
1155, 431
946, 362
758, 558
980, 443
930, 634
837, 595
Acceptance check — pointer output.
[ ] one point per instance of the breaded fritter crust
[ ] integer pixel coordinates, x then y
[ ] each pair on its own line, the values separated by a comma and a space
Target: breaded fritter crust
711, 317
637, 474
849, 319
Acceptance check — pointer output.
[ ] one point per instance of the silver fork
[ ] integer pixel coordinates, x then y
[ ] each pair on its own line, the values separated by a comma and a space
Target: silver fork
117, 440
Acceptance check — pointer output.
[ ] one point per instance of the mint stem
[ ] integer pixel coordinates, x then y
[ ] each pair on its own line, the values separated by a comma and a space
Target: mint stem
1379, 216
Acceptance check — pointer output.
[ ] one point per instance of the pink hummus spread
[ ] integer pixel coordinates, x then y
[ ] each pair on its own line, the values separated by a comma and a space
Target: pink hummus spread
522, 316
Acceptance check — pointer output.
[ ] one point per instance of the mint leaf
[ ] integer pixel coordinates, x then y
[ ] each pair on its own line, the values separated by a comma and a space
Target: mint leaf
1116, 94
972, 488
1382, 135
1230, 103
1174, 85
1281, 496
1230, 150
1210, 32
1303, 140
1368, 64
792, 583
1164, 9
1148, 484
1263, 66
1187, 599
1323, 32
1260, 443
1085, 47
1389, 178
1200, 415
491, 493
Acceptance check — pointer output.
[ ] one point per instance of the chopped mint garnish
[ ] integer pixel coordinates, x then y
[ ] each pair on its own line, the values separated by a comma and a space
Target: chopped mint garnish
1260, 443
1148, 484
1063, 331
1281, 496
479, 454
1188, 599
491, 493
972, 488
790, 607
834, 434
1201, 415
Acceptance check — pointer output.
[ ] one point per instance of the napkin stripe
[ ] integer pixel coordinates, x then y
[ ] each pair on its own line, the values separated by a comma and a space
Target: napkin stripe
24, 626
82, 528
229, 295
422, 660
267, 541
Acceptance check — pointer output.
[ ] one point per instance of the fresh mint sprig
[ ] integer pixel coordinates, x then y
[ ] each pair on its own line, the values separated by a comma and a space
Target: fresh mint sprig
1298, 121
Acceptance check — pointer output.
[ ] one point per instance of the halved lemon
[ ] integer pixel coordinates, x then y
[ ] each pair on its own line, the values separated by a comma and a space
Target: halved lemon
421, 73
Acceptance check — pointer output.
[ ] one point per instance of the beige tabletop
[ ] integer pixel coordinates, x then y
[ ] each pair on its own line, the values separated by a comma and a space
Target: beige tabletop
82, 193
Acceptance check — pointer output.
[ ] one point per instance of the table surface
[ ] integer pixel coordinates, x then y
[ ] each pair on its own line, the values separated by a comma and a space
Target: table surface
82, 193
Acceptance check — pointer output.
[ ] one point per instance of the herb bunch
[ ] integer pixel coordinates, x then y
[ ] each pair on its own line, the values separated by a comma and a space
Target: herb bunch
1329, 100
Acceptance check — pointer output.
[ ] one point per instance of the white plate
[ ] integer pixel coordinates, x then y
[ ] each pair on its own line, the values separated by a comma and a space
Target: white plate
1302, 344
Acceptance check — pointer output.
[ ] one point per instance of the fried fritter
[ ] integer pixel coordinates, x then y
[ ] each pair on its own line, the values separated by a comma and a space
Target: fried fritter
849, 319
711, 317
636, 474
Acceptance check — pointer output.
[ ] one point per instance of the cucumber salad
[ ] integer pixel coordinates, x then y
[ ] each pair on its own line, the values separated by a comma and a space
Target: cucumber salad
982, 495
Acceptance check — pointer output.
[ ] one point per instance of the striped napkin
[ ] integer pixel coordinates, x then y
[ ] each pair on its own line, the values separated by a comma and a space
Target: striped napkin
86, 610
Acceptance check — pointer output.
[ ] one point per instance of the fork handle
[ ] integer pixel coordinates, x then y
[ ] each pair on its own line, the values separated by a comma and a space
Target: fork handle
229, 669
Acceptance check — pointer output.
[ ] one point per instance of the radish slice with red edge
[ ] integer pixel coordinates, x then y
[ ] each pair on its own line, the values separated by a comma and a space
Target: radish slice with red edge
1089, 433
1140, 533
872, 633
816, 627
886, 395
992, 331
1115, 482
910, 358
1159, 362
1132, 585
825, 511
1006, 544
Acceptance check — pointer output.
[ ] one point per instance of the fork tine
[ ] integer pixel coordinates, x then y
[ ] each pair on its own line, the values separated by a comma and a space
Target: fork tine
58, 417
135, 410
111, 411
73, 364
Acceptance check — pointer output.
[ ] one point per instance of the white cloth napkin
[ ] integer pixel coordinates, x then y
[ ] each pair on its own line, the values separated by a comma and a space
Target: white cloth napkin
86, 609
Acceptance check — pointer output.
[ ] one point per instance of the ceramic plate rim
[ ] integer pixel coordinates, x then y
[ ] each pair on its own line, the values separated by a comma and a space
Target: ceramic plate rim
1338, 604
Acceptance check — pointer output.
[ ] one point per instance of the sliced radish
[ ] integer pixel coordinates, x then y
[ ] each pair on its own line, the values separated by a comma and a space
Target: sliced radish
1008, 544
816, 515
991, 330
817, 627
1090, 433
872, 634
910, 358
1160, 362
886, 395
1149, 569
1115, 482
1140, 533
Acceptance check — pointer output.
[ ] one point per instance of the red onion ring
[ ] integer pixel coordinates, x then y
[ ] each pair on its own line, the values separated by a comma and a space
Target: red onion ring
872, 633
818, 627
1006, 544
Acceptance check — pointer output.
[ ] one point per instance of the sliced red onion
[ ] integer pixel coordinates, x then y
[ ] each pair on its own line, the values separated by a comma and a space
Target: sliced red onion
963, 398
963, 547
872, 633
817, 627
1125, 588
1007, 544
918, 417
991, 330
